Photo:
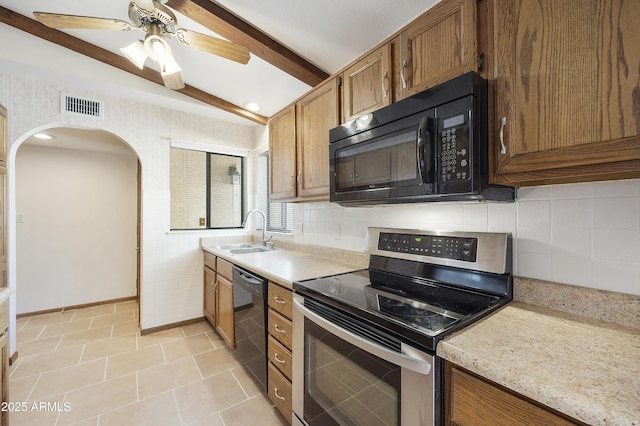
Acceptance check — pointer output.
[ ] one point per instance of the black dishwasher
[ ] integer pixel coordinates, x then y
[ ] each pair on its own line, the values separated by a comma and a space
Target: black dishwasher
249, 296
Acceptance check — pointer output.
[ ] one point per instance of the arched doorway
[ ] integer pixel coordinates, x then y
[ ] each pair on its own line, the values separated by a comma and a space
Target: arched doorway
77, 210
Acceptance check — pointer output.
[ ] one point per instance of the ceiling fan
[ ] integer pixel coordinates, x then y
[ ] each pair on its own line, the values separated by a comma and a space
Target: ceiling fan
159, 23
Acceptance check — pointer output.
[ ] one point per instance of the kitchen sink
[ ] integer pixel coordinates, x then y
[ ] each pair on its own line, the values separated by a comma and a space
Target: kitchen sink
249, 250
244, 248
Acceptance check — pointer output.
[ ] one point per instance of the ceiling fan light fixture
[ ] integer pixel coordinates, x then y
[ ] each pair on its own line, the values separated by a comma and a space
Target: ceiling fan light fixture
157, 48
135, 52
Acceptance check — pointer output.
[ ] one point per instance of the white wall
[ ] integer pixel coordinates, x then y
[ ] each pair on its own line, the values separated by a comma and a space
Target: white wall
581, 234
171, 281
77, 241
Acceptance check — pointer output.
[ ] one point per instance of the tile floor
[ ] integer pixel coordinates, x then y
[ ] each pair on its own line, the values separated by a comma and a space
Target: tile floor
91, 366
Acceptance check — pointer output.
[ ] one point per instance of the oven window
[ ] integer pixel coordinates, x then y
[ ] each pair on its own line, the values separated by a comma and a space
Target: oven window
345, 385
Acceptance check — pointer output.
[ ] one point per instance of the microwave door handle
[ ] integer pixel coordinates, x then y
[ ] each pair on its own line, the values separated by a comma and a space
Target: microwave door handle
424, 152
404, 360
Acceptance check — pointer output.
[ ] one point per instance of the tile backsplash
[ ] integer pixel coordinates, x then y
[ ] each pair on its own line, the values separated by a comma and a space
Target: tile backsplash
584, 234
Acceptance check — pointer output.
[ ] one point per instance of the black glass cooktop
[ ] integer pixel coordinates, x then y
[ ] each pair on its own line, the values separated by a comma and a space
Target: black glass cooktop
427, 307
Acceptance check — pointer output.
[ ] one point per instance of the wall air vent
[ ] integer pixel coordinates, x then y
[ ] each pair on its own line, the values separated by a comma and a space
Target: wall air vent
74, 105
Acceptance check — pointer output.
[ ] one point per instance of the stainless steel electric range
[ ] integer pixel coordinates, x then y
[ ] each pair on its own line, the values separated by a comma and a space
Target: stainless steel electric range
364, 342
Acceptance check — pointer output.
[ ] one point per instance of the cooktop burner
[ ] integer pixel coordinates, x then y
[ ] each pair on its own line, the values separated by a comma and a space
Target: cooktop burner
429, 318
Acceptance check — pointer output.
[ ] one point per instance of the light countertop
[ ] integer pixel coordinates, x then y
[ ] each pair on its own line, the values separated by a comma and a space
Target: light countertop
585, 368
284, 266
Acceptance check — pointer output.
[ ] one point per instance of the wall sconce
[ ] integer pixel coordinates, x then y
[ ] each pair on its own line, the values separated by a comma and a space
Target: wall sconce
234, 174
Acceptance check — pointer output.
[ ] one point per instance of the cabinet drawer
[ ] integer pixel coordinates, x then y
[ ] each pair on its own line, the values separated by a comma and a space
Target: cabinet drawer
280, 357
280, 328
224, 268
280, 392
210, 260
280, 300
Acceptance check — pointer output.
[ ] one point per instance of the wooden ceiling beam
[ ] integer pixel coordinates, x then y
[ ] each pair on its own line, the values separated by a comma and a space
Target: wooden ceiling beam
235, 29
63, 39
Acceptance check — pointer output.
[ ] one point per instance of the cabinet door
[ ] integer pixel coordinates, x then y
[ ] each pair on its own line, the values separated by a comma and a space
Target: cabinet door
317, 113
210, 295
225, 321
367, 84
565, 75
472, 401
438, 46
282, 154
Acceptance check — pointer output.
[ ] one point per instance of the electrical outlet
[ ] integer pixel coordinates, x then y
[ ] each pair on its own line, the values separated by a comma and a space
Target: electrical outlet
19, 217
337, 230
203, 221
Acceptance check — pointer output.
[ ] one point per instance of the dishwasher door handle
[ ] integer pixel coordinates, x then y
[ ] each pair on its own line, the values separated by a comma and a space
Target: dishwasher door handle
248, 278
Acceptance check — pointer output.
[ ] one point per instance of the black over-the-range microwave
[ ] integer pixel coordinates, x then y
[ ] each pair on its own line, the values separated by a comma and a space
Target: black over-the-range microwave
431, 146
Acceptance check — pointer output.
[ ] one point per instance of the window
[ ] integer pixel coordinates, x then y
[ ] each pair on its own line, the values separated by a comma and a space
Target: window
207, 190
279, 215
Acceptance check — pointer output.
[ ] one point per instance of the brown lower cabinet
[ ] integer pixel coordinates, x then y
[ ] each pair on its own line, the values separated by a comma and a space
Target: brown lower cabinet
218, 297
280, 329
475, 401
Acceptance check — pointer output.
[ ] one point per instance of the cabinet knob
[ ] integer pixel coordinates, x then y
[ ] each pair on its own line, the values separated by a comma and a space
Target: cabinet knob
279, 300
279, 330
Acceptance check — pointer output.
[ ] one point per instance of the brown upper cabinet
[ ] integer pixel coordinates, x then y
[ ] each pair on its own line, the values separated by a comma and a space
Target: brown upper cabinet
367, 84
565, 83
282, 154
316, 114
439, 45
299, 145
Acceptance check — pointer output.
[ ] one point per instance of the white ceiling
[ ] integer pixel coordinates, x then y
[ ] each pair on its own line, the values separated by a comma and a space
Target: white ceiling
329, 34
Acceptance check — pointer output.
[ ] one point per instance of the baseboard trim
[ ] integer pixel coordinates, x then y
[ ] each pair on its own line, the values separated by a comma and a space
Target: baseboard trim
169, 326
69, 308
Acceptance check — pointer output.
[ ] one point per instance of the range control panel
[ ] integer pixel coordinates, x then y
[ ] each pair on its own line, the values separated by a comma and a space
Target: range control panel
446, 247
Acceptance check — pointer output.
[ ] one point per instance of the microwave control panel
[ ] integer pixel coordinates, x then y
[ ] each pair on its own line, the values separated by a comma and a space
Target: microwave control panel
453, 140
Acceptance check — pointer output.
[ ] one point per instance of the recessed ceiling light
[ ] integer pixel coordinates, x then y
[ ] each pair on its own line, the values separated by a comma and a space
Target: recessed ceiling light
45, 136
252, 106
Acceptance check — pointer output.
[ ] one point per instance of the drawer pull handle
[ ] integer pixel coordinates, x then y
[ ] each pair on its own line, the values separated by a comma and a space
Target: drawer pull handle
278, 359
278, 300
281, 398
278, 329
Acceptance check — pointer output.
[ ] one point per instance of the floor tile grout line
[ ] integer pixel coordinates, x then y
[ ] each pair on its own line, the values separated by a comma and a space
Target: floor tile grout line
175, 402
239, 384
33, 388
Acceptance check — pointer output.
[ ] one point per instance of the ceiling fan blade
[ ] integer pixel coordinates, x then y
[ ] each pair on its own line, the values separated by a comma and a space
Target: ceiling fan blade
55, 20
147, 5
226, 49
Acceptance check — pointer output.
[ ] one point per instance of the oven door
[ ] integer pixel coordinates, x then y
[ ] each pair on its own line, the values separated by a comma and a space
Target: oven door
341, 378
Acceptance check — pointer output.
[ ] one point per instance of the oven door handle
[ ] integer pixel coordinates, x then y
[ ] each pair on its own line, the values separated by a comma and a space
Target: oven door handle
412, 361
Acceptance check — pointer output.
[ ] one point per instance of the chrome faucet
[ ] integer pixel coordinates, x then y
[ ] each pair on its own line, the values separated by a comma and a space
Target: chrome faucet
265, 242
